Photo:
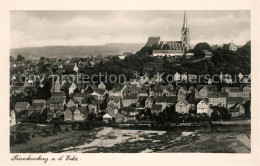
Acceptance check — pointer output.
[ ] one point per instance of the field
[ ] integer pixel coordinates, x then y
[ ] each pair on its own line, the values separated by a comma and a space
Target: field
110, 140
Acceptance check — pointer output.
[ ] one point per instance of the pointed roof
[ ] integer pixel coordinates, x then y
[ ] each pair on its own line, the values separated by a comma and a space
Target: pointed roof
185, 21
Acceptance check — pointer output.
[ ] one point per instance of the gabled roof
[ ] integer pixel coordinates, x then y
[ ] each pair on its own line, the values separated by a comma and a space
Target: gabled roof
56, 100
38, 101
116, 98
80, 94
234, 106
107, 116
111, 106
73, 100
217, 95
236, 99
100, 91
184, 101
166, 99
36, 107
156, 107
168, 51
83, 110
61, 94
205, 100
117, 87
207, 87
21, 105
131, 96
72, 109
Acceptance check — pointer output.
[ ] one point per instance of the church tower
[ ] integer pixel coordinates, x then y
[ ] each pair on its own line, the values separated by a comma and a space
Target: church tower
185, 34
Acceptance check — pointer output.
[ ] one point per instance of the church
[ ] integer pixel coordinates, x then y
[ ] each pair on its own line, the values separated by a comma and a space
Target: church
174, 49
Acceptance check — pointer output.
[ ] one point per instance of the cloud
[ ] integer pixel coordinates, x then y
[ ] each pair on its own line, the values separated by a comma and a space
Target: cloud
42, 28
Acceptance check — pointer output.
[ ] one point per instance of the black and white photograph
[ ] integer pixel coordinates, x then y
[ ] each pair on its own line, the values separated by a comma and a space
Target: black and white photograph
129, 83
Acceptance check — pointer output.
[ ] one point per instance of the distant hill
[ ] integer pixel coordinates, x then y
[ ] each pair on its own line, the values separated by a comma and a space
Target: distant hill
75, 51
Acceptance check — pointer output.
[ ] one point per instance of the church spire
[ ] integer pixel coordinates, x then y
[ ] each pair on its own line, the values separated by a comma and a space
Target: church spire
185, 34
184, 21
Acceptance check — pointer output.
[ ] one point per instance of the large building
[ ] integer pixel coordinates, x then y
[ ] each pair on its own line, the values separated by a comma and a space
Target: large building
176, 49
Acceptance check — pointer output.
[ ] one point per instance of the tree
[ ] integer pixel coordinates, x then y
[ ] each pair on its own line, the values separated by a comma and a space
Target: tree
198, 49
20, 58
42, 58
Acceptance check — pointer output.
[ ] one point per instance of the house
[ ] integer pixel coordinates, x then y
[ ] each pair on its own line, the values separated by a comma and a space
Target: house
143, 91
183, 89
100, 93
50, 115
112, 109
143, 80
232, 46
240, 76
68, 114
21, 107
89, 89
208, 54
92, 104
156, 109
182, 106
149, 102
203, 90
132, 109
57, 86
166, 101
75, 68
156, 90
84, 102
184, 78
203, 107
230, 89
16, 90
227, 79
231, 101
12, 118
107, 118
217, 99
115, 100
246, 88
129, 99
60, 94
119, 118
72, 102
238, 93
237, 110
117, 90
72, 88
79, 96
36, 108
56, 103
101, 85
181, 96
80, 114
40, 101
130, 118
176, 77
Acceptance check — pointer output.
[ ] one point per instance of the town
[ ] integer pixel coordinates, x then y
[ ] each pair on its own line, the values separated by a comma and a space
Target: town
140, 98
165, 86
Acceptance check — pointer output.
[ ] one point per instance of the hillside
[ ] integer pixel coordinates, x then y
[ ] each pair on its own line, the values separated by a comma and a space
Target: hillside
75, 51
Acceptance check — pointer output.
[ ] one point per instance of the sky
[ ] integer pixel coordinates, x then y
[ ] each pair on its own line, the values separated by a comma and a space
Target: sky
79, 28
